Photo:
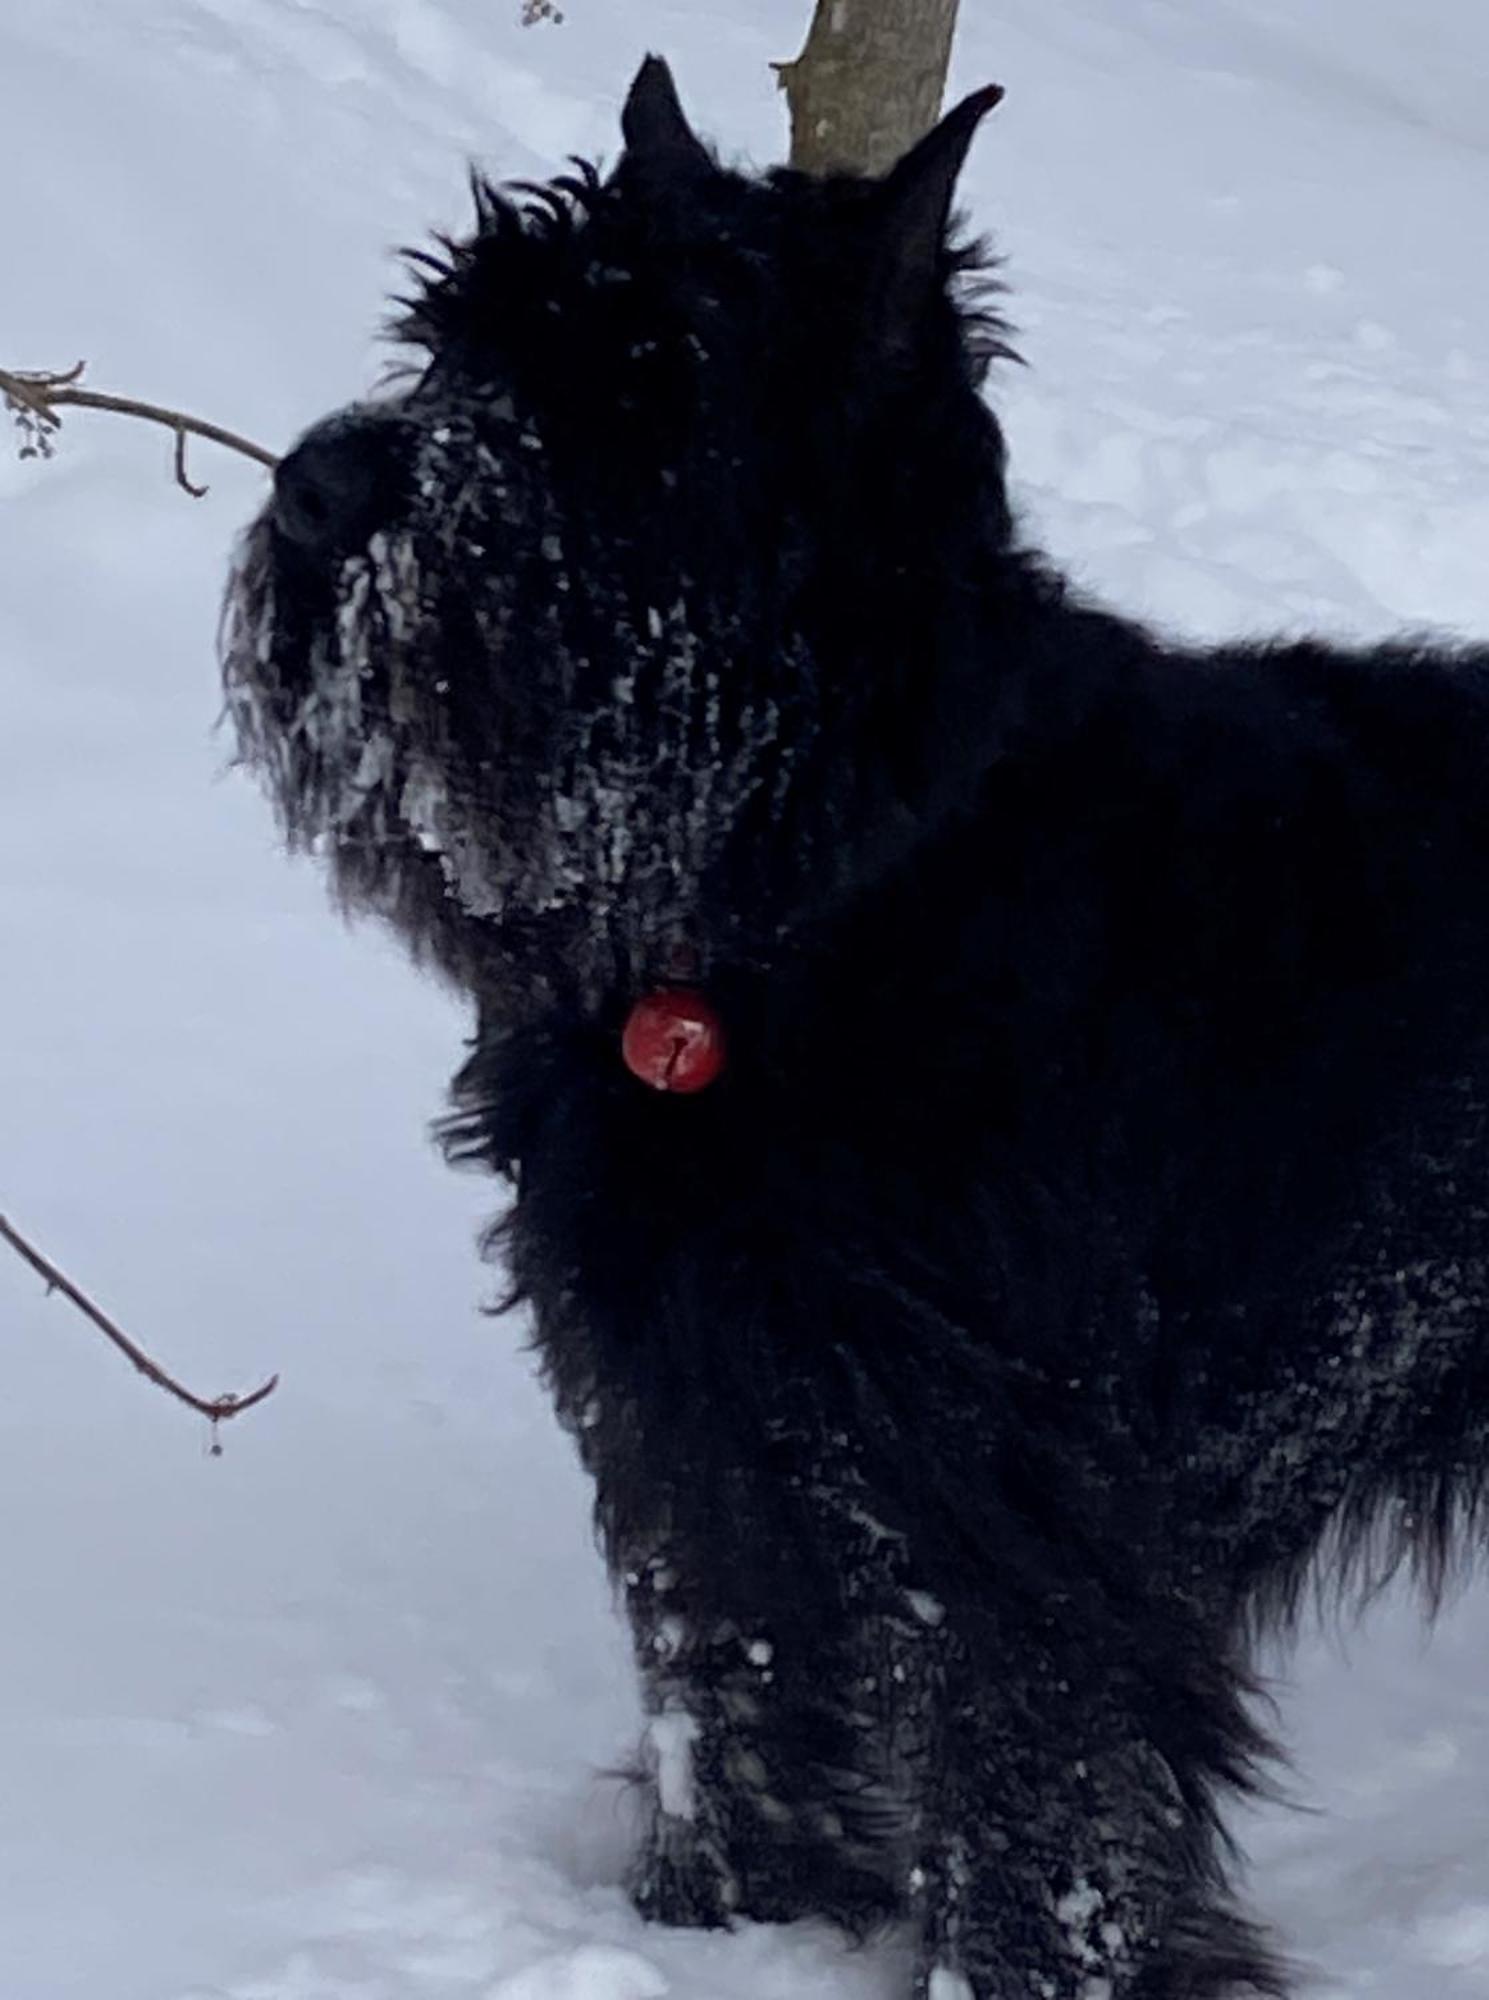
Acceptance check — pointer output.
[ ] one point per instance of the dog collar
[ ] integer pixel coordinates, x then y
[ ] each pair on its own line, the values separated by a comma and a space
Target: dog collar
674, 1040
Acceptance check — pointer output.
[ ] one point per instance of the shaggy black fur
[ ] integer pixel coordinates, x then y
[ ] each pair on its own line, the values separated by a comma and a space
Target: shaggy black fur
1093, 1218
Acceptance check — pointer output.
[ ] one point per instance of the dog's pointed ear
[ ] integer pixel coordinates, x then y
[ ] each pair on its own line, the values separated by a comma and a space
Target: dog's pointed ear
916, 196
655, 126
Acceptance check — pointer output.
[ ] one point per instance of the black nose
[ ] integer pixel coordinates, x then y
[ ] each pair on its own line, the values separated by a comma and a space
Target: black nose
338, 485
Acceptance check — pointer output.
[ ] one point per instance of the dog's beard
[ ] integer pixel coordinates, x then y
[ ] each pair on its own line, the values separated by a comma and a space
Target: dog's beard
609, 808
330, 712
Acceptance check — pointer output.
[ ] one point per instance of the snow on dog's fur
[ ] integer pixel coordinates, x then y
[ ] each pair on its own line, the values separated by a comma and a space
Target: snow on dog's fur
1091, 1222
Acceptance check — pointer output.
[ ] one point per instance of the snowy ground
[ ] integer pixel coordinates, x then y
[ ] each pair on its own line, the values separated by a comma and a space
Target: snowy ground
321, 1720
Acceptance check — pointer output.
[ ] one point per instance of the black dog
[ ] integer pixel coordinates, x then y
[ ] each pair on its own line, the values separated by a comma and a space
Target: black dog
1065, 1202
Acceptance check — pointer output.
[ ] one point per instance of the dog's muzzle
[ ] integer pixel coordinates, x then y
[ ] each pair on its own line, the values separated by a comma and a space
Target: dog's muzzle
343, 481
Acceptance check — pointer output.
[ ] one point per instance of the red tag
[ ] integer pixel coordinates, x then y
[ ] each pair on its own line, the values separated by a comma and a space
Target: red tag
674, 1040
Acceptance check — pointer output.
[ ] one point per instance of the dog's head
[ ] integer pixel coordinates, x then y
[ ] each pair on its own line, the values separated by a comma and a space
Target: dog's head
599, 645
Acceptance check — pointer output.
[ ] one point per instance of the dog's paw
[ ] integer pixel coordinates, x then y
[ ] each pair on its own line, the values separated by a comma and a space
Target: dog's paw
684, 1886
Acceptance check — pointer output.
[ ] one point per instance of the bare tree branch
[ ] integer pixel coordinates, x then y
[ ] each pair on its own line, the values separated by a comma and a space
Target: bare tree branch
36, 396
218, 1409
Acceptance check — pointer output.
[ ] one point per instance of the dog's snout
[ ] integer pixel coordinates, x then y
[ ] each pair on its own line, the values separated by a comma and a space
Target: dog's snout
338, 485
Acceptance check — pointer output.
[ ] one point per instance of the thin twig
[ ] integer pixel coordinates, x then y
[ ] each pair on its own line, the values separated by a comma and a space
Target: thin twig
219, 1408
196, 492
39, 394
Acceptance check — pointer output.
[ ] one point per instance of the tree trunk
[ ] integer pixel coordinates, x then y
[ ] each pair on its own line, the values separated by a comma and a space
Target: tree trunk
868, 83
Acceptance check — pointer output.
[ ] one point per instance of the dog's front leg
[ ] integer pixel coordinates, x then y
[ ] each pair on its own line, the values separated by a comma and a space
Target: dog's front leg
1070, 1857
770, 1791
684, 1873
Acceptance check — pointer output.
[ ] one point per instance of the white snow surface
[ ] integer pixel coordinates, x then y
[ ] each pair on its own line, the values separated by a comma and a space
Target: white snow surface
327, 1718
